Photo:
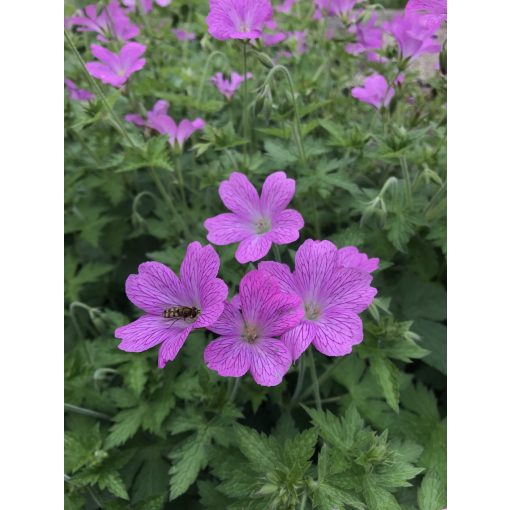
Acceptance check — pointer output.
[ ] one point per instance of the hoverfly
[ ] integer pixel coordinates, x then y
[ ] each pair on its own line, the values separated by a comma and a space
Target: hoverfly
181, 312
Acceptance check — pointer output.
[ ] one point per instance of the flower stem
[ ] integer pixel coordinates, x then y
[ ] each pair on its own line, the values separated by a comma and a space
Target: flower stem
86, 412
114, 117
300, 379
297, 119
215, 53
168, 200
315, 381
276, 252
245, 105
235, 388
407, 180
325, 375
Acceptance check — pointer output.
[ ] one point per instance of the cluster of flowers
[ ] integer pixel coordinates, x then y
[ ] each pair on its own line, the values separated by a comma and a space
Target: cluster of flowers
115, 68
415, 35
278, 312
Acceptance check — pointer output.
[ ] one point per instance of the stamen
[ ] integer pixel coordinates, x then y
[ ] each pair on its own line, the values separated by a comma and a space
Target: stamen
250, 333
262, 226
312, 311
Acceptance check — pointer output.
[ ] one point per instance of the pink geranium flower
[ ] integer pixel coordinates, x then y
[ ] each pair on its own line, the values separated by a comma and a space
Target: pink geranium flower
116, 68
77, 94
414, 35
300, 38
111, 21
249, 333
157, 290
238, 19
369, 37
350, 256
182, 35
434, 12
228, 87
145, 4
159, 120
255, 222
331, 296
374, 91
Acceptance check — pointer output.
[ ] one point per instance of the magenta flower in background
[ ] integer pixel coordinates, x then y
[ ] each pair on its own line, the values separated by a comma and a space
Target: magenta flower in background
374, 91
77, 94
368, 37
182, 35
115, 68
332, 298
111, 21
350, 256
156, 288
238, 19
145, 4
272, 39
432, 11
255, 222
413, 35
300, 37
159, 120
286, 6
248, 334
228, 87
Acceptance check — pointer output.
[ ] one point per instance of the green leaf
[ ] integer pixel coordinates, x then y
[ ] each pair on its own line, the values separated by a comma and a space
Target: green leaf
388, 376
432, 492
113, 483
279, 155
259, 449
433, 336
378, 498
189, 460
127, 424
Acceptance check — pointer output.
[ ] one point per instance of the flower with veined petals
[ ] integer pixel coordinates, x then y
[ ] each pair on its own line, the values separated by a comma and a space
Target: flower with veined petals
238, 19
159, 120
110, 21
413, 35
77, 94
115, 68
228, 87
374, 91
350, 256
331, 296
156, 288
248, 332
434, 12
255, 222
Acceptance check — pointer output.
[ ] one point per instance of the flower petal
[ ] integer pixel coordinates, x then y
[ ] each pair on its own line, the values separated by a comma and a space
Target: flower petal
154, 288
227, 228
144, 333
105, 74
229, 356
282, 273
337, 332
253, 248
266, 307
171, 346
230, 322
277, 192
350, 256
130, 53
213, 294
240, 196
201, 263
299, 338
350, 289
315, 262
285, 226
270, 361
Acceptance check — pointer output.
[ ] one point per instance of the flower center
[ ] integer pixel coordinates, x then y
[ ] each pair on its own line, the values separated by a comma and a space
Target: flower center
312, 311
250, 333
262, 226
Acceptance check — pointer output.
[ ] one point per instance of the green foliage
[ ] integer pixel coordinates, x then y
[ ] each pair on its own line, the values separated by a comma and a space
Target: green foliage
140, 438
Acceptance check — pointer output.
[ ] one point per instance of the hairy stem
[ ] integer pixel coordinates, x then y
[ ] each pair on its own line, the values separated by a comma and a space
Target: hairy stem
315, 381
